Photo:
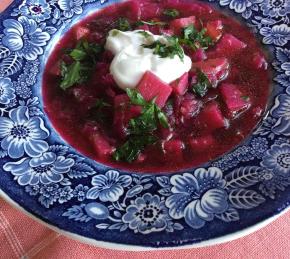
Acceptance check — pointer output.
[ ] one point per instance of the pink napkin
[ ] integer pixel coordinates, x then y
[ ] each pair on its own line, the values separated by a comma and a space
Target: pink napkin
22, 237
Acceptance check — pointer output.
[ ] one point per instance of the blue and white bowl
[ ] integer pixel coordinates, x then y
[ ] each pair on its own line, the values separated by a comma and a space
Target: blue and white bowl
42, 174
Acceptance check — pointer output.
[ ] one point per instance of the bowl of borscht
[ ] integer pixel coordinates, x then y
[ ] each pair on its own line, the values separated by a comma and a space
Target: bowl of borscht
146, 124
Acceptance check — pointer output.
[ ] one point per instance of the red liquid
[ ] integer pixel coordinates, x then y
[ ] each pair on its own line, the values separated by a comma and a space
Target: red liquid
69, 115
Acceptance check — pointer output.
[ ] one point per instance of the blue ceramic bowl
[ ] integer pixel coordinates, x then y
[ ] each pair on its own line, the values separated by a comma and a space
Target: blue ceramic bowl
53, 182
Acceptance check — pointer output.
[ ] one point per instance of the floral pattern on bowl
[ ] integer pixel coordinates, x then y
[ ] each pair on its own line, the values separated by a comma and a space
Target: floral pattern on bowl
51, 180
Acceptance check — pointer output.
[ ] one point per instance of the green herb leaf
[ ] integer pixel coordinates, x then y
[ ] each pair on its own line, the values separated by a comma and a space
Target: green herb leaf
171, 13
150, 23
84, 57
162, 119
141, 128
144, 33
202, 85
135, 97
130, 150
170, 49
194, 38
72, 74
123, 24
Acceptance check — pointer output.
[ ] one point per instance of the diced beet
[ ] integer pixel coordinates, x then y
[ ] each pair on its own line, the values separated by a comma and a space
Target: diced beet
233, 98
214, 29
178, 24
215, 69
81, 32
121, 100
143, 27
173, 149
211, 116
259, 61
188, 106
229, 45
100, 142
179, 86
151, 87
198, 55
102, 145
202, 143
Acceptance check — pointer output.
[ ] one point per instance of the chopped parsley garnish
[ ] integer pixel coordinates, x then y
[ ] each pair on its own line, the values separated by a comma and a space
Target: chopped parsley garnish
130, 150
141, 128
170, 49
194, 38
144, 33
123, 24
150, 23
202, 85
171, 13
84, 58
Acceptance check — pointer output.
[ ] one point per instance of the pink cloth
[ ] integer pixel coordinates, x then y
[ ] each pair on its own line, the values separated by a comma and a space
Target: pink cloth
22, 237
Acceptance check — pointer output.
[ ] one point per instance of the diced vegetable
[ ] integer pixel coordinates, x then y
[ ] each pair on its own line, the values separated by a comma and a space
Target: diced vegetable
198, 55
214, 29
151, 87
177, 25
100, 142
179, 86
101, 145
81, 33
200, 144
211, 116
259, 61
233, 98
229, 45
186, 106
215, 69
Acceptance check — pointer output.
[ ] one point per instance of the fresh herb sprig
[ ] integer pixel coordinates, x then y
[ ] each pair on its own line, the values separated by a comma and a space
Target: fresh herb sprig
194, 38
84, 57
169, 49
123, 24
141, 128
202, 85
173, 13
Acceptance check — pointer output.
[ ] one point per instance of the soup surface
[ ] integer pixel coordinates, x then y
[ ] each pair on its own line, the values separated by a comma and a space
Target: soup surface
156, 125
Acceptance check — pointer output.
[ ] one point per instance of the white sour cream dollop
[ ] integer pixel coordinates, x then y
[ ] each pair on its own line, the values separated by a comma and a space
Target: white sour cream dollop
132, 60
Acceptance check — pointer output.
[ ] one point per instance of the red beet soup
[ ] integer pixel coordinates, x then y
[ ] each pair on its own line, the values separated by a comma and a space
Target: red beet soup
157, 126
